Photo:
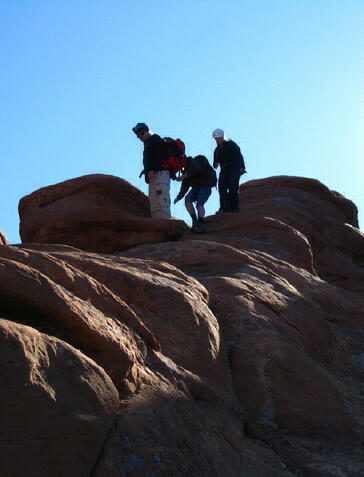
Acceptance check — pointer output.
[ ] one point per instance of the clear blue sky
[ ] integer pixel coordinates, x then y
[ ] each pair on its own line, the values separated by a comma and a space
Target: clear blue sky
283, 78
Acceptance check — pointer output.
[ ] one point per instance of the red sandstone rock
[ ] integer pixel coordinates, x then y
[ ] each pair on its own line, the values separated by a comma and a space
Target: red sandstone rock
254, 296
98, 213
239, 349
56, 294
3, 239
57, 406
126, 302
172, 305
164, 432
299, 221
47, 305
294, 340
284, 188
317, 213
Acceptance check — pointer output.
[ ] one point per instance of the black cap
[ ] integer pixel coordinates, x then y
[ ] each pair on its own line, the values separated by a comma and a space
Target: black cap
140, 128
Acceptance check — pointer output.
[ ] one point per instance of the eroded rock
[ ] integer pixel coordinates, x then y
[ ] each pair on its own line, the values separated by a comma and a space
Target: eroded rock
3, 239
57, 406
237, 349
97, 213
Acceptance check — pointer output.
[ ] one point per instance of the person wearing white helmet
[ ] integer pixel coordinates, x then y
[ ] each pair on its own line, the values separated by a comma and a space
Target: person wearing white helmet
228, 156
218, 134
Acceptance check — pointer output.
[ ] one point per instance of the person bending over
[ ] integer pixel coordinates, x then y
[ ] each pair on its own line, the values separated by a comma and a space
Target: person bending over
199, 177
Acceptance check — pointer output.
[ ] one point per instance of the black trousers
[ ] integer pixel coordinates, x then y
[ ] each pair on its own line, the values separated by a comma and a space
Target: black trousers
229, 188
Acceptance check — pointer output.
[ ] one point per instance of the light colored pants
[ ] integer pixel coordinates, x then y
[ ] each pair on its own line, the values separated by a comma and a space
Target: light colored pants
160, 202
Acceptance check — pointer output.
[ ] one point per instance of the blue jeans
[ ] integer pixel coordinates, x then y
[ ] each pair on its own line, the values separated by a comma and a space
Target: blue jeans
199, 195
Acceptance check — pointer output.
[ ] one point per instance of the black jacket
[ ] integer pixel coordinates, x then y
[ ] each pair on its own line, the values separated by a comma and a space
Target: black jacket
197, 176
155, 151
227, 154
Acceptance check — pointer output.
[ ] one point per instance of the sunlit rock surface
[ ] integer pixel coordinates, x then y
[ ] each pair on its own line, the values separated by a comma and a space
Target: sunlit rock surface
236, 352
3, 239
97, 213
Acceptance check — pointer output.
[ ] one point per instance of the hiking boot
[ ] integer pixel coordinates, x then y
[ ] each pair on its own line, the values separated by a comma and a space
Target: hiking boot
198, 228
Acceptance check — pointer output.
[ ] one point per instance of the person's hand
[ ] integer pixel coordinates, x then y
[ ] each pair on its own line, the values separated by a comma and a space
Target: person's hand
216, 165
150, 175
242, 171
175, 200
182, 177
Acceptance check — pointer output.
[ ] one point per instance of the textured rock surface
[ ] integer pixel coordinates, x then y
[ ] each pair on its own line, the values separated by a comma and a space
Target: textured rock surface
291, 321
56, 405
97, 213
237, 352
176, 391
3, 239
326, 219
299, 221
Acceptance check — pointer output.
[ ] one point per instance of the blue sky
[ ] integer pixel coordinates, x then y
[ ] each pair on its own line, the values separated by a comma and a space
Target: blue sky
283, 78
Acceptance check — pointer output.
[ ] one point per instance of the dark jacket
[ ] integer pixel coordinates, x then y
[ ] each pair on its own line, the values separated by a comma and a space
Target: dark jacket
197, 176
227, 154
154, 152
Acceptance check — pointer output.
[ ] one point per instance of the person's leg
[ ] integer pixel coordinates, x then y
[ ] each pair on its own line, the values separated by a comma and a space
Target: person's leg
223, 189
159, 198
190, 208
219, 188
202, 196
201, 211
233, 176
190, 198
152, 192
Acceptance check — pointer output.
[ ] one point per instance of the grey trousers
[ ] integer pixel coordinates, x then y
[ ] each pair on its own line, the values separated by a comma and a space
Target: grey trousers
160, 202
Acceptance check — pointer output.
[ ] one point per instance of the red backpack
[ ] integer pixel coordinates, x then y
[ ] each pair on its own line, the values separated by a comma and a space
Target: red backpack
175, 161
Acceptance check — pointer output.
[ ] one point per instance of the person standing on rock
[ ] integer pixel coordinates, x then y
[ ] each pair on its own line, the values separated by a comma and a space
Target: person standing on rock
227, 154
199, 175
155, 152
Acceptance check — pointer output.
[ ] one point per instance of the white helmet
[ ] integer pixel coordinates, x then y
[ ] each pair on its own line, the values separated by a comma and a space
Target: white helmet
218, 133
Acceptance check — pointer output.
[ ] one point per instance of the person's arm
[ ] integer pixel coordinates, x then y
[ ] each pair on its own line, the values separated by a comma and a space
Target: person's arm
216, 158
242, 163
182, 178
238, 156
183, 191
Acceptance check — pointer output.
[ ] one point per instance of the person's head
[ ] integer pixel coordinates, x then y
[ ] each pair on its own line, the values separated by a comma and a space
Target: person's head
141, 130
219, 136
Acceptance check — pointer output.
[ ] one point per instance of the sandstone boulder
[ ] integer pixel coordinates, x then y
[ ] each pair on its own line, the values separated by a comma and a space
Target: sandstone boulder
299, 221
262, 300
97, 213
325, 218
236, 350
112, 308
57, 406
290, 315
161, 431
101, 312
3, 239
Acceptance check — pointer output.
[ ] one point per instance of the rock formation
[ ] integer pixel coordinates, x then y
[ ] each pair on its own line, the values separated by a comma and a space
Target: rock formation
237, 352
97, 213
3, 239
